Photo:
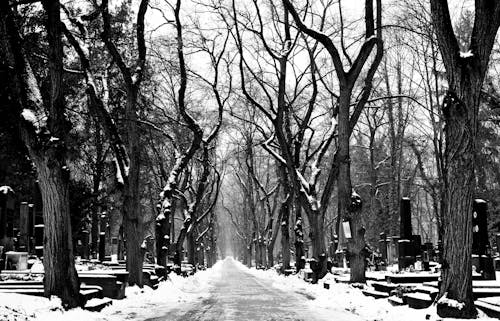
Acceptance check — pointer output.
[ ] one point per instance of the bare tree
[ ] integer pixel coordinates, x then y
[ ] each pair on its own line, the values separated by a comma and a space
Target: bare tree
45, 131
347, 119
197, 141
465, 72
127, 158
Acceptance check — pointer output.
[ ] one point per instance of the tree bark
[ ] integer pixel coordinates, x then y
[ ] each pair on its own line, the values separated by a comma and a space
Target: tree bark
457, 250
191, 246
300, 259
97, 177
60, 274
132, 218
465, 75
318, 246
272, 240
48, 155
356, 243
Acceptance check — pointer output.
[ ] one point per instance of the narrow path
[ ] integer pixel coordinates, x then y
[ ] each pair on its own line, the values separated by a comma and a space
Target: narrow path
238, 295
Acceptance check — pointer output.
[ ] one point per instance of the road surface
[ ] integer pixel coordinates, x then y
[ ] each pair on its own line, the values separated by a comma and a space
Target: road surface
238, 295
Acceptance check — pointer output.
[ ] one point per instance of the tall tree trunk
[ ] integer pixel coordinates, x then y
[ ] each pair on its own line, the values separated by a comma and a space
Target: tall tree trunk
300, 260
318, 246
97, 177
191, 246
60, 278
179, 253
394, 179
263, 256
356, 243
48, 155
459, 187
465, 75
273, 235
162, 233
132, 218
257, 254
248, 253
285, 209
285, 238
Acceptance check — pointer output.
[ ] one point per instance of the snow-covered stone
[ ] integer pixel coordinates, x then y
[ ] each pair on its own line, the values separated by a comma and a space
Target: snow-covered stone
6, 189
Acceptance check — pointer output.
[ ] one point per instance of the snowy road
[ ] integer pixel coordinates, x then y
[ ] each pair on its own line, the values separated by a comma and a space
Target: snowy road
238, 295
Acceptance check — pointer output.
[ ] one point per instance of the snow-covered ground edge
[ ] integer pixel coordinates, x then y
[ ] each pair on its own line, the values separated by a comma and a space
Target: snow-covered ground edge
139, 303
343, 297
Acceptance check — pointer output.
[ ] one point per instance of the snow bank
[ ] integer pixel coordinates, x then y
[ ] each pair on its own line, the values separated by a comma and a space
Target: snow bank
139, 303
343, 297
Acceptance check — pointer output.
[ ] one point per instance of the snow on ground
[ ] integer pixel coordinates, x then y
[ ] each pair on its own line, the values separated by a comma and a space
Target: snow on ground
141, 303
184, 293
343, 297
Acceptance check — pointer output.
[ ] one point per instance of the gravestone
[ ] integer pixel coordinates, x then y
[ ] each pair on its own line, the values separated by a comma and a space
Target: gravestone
417, 245
114, 247
31, 228
102, 246
39, 239
102, 237
23, 227
85, 244
406, 256
392, 249
479, 227
383, 246
481, 257
497, 241
7, 206
405, 230
3, 214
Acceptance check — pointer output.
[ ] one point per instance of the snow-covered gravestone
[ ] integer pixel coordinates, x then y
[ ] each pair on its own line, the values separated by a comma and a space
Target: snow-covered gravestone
479, 227
7, 203
39, 231
481, 257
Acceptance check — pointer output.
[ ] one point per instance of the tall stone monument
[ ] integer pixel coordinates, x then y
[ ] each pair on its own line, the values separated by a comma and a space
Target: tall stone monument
406, 256
481, 257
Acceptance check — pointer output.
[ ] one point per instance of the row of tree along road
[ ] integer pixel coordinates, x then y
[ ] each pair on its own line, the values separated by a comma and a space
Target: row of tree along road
149, 87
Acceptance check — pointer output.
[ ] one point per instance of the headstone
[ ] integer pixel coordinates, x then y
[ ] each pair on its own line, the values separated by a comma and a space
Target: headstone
406, 256
497, 241
102, 246
31, 228
102, 237
7, 206
426, 258
23, 227
405, 216
479, 227
16, 261
85, 244
383, 246
480, 243
393, 250
417, 245
39, 240
3, 214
